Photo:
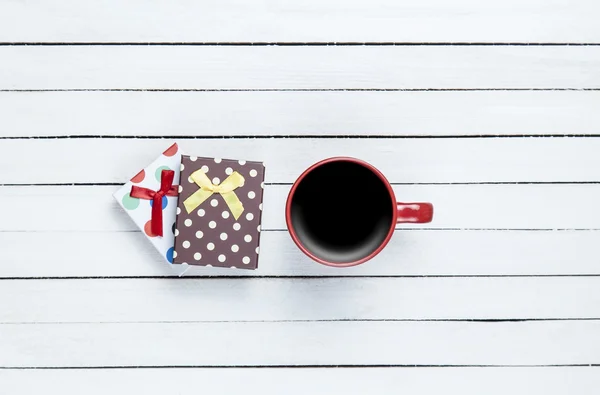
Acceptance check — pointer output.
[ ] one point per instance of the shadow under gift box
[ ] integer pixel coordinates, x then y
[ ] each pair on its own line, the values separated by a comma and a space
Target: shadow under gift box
219, 212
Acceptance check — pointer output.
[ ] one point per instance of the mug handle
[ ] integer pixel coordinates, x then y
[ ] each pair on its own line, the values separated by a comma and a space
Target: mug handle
419, 213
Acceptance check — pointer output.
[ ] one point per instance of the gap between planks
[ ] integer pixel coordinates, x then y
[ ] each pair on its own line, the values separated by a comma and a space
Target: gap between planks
233, 90
336, 366
300, 44
292, 137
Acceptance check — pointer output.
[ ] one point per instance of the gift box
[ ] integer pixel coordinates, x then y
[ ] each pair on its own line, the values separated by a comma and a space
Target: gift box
219, 212
150, 199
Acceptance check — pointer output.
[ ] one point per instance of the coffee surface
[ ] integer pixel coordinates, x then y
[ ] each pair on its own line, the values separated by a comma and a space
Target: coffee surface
341, 211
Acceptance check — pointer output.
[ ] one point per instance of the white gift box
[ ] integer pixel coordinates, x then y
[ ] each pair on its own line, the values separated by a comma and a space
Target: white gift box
140, 210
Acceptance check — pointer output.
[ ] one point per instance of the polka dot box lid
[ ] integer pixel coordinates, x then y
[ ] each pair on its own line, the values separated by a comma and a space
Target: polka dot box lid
210, 235
141, 210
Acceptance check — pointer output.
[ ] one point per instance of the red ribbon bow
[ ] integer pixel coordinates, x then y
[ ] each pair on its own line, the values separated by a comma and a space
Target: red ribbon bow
166, 188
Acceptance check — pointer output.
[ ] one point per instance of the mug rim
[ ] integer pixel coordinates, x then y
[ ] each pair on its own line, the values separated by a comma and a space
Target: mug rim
288, 216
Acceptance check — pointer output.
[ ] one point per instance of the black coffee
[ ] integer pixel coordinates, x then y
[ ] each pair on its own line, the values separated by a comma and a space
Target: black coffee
341, 211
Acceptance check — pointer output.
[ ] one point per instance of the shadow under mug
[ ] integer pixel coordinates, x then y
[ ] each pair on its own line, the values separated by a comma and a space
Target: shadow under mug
342, 212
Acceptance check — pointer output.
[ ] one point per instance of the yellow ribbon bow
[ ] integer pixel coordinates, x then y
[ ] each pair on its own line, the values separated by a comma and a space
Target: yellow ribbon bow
207, 188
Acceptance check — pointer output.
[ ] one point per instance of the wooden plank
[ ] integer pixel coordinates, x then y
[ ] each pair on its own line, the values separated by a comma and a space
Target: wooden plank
269, 381
93, 209
300, 343
401, 160
314, 20
409, 253
277, 113
276, 299
276, 67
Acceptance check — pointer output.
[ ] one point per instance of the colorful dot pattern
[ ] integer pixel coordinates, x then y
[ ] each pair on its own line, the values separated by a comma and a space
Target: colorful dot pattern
141, 211
129, 203
165, 202
210, 235
158, 172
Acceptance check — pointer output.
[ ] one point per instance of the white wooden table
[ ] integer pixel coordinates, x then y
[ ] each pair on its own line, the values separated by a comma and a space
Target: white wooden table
488, 109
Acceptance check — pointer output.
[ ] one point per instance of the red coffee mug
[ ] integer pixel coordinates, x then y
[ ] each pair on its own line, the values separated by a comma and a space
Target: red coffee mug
342, 212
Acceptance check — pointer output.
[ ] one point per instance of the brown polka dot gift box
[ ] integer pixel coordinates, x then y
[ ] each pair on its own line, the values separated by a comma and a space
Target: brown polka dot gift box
219, 212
